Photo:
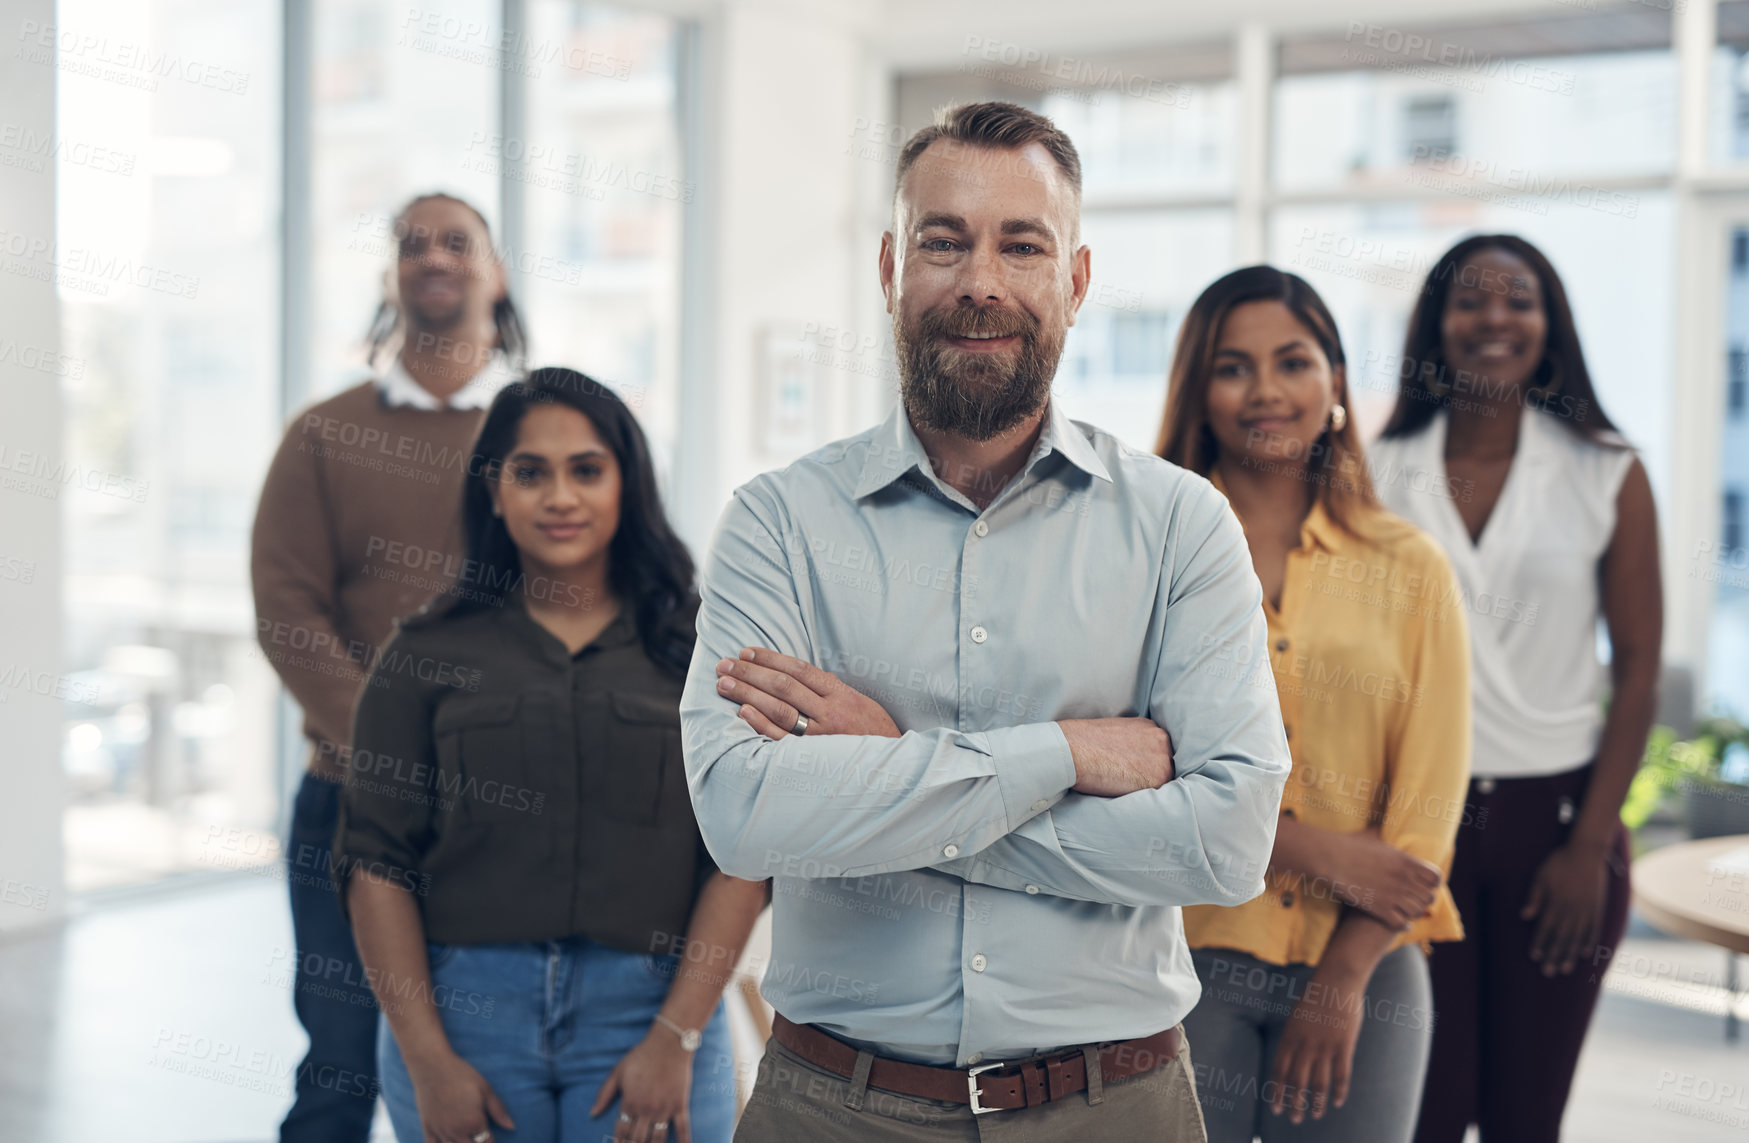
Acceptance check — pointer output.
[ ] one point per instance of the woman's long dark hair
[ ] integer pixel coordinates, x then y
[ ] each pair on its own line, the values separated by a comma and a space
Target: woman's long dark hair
1560, 386
512, 338
1336, 463
649, 569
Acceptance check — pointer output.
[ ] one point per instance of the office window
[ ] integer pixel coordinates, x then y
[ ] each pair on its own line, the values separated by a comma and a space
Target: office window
1530, 125
167, 203
1726, 574
174, 403
1178, 142
1737, 383
1148, 264
1147, 269
1152, 121
1138, 343
404, 104
1729, 84
604, 190
1430, 127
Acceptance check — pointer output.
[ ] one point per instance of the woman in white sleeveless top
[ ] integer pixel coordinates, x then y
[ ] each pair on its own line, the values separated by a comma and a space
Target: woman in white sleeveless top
1498, 448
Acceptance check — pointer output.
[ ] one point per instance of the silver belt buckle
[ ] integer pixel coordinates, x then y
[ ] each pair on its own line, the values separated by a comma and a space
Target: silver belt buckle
972, 1075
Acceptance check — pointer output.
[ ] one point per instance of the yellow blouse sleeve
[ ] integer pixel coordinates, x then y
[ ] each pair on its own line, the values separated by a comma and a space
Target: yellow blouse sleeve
1427, 765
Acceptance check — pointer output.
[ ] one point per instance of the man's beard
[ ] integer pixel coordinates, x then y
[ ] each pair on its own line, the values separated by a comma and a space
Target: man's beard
974, 395
435, 317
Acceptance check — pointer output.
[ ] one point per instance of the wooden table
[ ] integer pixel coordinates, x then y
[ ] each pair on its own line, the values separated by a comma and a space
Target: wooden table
1700, 890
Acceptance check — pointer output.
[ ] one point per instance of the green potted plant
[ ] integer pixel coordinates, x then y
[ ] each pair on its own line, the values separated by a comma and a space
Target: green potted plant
1710, 771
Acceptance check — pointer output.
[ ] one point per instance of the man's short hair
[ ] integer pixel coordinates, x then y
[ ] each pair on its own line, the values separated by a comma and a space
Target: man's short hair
995, 124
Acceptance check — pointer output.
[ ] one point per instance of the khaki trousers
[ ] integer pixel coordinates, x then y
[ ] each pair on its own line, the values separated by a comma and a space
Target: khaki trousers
796, 1102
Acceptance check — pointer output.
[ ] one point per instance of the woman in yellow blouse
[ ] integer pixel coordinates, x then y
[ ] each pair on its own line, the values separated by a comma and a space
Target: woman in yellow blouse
1316, 1001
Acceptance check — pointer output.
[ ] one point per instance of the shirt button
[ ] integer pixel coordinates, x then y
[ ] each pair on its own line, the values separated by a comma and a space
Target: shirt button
1041, 805
1281, 644
1484, 785
981, 528
1033, 889
978, 962
1287, 900
1287, 811
979, 634
951, 851
975, 1057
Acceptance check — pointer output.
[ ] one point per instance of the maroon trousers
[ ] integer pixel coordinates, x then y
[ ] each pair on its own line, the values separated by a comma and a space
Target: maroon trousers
1507, 1038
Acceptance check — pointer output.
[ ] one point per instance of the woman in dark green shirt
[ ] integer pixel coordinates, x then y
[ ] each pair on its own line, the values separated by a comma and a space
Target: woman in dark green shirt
536, 912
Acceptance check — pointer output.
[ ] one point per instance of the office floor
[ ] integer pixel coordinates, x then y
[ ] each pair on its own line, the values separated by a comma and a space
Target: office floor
167, 1018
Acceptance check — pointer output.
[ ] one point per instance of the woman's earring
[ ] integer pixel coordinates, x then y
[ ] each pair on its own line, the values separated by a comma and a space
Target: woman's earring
497, 511
1338, 419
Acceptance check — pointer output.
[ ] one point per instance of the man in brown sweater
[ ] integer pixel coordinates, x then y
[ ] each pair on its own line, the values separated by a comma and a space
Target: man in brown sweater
360, 524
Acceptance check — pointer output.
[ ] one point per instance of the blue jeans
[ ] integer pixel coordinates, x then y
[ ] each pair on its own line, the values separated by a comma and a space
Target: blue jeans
545, 1024
336, 1085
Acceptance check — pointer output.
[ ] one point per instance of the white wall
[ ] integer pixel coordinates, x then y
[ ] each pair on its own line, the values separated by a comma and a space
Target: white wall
32, 790
784, 235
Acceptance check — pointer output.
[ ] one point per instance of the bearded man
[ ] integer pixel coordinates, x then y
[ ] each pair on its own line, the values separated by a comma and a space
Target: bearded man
934, 666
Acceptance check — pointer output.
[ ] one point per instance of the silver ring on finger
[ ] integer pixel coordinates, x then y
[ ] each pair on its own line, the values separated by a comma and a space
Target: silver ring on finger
624, 1118
481, 1137
662, 1127
801, 726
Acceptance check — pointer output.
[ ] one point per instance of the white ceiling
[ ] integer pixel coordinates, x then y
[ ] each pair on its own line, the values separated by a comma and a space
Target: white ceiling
927, 35
919, 34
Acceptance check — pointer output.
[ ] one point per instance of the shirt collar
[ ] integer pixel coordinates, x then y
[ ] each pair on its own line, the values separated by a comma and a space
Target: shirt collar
1061, 436
398, 388
621, 632
1319, 531
895, 450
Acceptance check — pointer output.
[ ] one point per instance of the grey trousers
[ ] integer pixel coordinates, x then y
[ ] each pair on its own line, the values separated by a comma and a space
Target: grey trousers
1244, 1008
796, 1102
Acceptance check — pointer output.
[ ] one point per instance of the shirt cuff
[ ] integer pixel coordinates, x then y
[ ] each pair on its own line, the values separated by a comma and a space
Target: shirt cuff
1034, 768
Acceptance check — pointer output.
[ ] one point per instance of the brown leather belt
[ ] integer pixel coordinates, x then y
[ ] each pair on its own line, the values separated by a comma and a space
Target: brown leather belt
1003, 1086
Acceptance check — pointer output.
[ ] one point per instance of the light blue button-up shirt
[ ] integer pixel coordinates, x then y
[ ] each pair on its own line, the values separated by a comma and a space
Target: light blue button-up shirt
944, 896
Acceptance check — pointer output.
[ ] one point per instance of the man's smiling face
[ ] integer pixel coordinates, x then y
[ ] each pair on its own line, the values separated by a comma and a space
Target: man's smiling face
983, 277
